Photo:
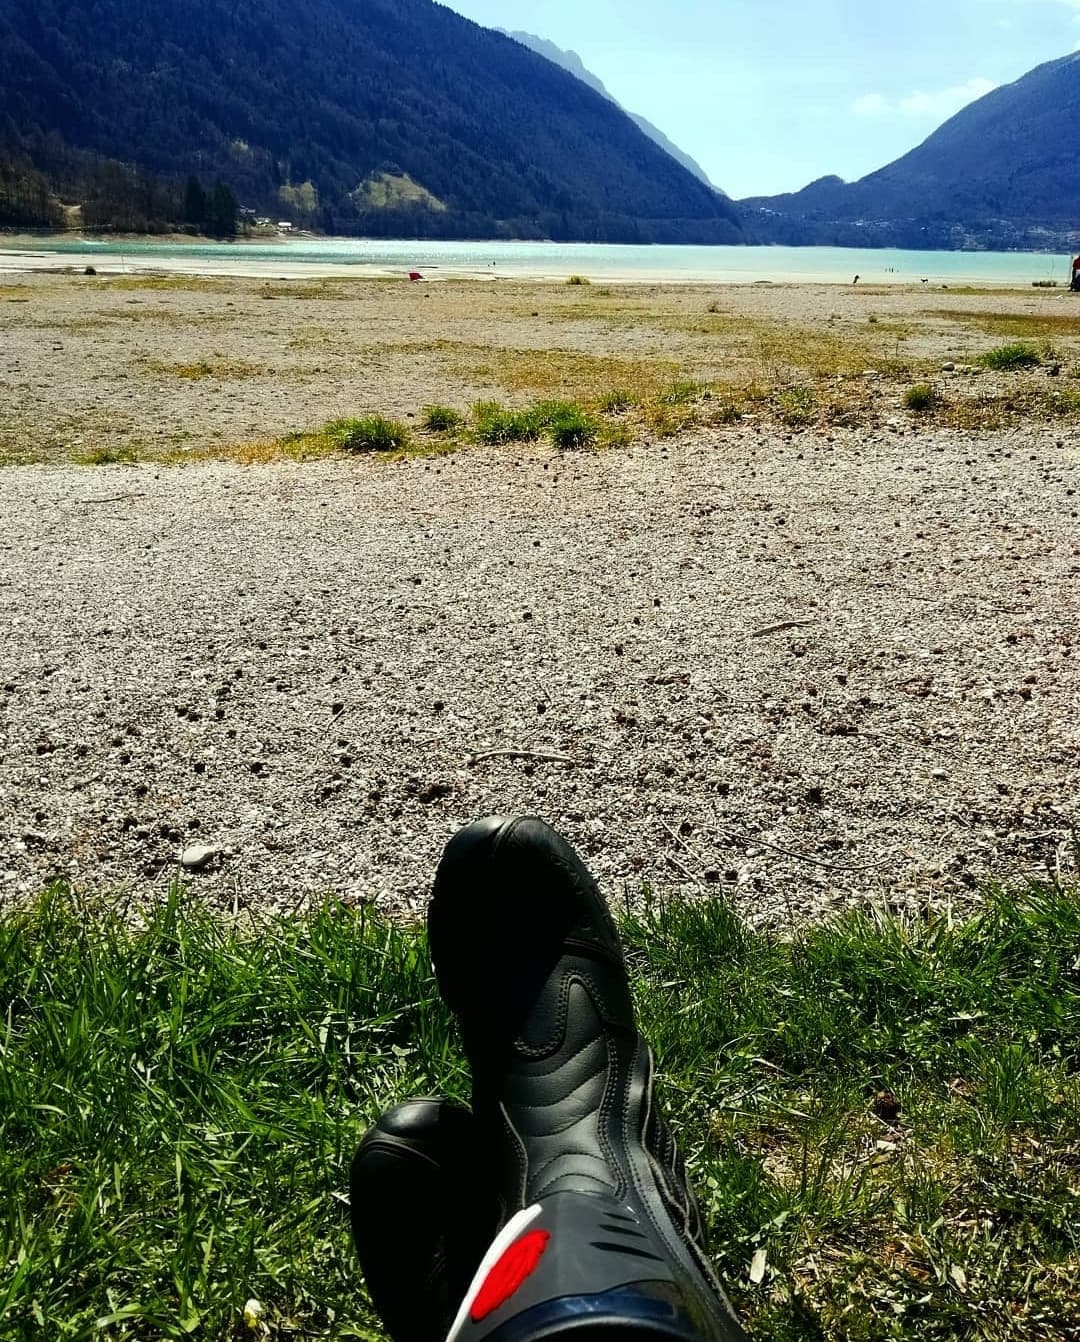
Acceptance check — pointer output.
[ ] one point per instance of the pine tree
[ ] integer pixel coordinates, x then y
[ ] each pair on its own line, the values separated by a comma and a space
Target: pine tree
195, 203
222, 211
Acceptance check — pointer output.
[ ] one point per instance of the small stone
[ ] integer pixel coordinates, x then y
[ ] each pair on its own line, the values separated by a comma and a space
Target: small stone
197, 857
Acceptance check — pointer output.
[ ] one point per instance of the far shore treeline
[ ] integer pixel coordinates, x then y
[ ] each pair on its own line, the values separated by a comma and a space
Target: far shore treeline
113, 197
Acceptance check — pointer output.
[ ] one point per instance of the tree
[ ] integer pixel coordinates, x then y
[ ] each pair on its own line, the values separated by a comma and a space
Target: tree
222, 211
195, 203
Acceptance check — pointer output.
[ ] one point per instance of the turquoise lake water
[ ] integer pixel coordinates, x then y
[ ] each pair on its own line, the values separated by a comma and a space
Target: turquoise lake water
545, 260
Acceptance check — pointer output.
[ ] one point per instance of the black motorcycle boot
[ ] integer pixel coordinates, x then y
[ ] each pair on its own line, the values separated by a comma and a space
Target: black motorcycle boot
420, 1221
599, 1229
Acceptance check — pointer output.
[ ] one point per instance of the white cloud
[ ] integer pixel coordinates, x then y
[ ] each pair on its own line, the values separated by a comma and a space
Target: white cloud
871, 104
925, 106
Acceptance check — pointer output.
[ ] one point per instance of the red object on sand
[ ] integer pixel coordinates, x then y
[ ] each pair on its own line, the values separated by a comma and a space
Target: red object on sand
415, 275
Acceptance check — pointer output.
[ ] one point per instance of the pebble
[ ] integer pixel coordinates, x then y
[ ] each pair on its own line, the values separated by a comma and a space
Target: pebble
197, 857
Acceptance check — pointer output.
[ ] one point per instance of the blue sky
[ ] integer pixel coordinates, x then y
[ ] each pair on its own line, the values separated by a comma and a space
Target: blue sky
769, 94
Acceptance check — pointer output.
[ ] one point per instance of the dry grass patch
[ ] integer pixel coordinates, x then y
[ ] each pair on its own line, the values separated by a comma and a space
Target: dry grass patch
962, 407
316, 291
265, 451
217, 367
16, 449
570, 373
166, 283
1014, 325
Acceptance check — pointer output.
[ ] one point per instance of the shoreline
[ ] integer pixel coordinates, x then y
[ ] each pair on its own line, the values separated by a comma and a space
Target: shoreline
301, 256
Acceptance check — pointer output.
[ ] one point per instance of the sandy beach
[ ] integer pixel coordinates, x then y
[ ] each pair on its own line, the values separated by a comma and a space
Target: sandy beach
813, 659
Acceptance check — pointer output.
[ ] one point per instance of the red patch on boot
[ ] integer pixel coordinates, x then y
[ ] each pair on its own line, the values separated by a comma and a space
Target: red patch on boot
509, 1274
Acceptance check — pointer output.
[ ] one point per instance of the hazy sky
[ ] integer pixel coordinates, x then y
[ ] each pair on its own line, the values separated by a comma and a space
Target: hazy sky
769, 94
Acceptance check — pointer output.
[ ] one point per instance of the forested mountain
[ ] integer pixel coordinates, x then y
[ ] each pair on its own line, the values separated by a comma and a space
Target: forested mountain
1004, 171
374, 116
570, 60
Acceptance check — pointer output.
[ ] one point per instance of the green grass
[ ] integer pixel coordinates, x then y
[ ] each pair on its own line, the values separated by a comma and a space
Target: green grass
569, 427
564, 422
112, 454
370, 433
889, 1109
494, 423
441, 418
921, 397
1008, 358
797, 405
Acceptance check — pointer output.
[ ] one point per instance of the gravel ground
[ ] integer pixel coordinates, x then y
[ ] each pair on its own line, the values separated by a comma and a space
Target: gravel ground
300, 667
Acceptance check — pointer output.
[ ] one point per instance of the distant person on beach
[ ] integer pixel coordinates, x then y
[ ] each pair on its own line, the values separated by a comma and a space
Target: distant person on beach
558, 1203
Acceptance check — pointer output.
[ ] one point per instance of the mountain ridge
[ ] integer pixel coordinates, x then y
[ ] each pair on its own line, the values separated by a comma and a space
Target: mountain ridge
316, 101
1004, 168
572, 62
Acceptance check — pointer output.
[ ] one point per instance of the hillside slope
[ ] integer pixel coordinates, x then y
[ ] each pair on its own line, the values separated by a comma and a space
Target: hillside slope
570, 60
1008, 164
303, 106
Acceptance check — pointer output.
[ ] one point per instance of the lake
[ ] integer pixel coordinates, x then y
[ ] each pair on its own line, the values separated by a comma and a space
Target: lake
299, 257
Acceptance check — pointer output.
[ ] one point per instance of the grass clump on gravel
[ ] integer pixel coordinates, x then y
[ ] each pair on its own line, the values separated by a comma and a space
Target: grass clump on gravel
882, 1116
617, 401
112, 454
564, 422
684, 392
441, 418
797, 405
370, 433
578, 280
494, 423
569, 427
921, 397
1008, 358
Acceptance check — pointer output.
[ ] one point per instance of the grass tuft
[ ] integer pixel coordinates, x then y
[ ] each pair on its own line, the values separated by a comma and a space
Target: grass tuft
494, 423
685, 392
578, 280
617, 402
1008, 358
921, 397
797, 405
113, 454
441, 418
570, 427
370, 433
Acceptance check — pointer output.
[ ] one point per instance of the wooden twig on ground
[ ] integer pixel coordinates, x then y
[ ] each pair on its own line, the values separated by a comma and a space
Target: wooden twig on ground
748, 841
544, 756
112, 498
779, 628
